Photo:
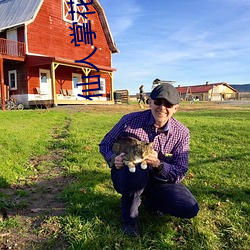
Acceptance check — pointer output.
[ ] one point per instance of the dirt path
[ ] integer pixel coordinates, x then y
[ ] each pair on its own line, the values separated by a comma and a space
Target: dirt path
34, 203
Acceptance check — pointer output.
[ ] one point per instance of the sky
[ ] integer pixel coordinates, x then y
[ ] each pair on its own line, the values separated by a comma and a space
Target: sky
187, 41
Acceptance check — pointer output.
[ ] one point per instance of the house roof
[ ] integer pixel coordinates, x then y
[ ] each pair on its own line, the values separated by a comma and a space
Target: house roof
201, 88
17, 12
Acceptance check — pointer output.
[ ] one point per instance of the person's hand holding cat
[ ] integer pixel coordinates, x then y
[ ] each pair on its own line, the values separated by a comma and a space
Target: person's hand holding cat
119, 161
153, 160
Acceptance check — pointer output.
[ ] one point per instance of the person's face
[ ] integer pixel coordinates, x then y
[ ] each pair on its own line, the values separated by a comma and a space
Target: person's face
162, 110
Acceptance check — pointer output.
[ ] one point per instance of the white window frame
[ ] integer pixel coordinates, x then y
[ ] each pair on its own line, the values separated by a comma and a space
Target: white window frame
77, 18
9, 75
103, 86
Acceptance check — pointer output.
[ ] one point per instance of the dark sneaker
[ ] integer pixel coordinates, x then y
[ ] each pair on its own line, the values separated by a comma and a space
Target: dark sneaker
150, 208
131, 230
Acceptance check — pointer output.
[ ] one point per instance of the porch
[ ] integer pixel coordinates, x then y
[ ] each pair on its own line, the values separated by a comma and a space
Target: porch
9, 50
67, 97
80, 101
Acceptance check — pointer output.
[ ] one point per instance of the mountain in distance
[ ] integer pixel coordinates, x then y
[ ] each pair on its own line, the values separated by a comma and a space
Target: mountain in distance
241, 87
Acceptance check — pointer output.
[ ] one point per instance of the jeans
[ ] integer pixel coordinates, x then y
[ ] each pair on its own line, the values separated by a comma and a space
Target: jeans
168, 198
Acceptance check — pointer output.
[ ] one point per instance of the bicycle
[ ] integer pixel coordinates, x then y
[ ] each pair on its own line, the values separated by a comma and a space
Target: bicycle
12, 104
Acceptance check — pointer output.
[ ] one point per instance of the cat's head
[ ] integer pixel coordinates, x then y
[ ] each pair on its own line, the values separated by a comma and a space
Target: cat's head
146, 148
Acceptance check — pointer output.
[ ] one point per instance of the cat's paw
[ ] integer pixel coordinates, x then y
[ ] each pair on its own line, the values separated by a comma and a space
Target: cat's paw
132, 170
144, 166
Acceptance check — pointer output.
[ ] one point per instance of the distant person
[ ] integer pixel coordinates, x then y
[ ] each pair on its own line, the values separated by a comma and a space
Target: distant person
159, 185
142, 95
156, 83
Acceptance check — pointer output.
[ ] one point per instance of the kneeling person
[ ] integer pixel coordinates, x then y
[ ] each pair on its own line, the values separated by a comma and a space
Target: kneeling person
160, 184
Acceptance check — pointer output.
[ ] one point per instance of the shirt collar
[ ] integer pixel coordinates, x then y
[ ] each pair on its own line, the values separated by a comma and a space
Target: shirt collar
167, 126
151, 122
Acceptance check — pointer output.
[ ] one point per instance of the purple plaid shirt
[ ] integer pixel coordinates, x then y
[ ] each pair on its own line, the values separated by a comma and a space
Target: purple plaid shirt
172, 145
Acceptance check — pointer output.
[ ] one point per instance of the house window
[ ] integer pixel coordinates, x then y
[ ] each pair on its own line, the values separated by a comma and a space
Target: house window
75, 17
12, 80
103, 86
43, 77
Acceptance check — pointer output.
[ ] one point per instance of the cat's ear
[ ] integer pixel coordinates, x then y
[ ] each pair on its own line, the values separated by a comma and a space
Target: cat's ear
151, 144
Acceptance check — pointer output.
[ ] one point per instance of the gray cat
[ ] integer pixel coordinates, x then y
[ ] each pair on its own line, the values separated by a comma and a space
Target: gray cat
135, 151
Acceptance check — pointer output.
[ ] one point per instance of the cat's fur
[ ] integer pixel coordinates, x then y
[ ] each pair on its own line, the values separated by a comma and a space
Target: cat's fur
135, 151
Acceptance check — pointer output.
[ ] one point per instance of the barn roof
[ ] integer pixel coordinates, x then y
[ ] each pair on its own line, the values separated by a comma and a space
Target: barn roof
201, 88
105, 26
18, 12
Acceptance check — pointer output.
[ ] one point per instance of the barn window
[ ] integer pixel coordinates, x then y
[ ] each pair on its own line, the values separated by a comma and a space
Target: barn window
12, 80
69, 17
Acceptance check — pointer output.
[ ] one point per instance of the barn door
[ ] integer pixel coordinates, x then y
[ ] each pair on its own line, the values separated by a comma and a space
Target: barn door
45, 83
12, 48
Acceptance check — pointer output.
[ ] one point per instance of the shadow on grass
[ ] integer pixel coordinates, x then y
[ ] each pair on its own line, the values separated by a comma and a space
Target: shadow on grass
3, 183
220, 186
227, 210
216, 193
214, 159
94, 219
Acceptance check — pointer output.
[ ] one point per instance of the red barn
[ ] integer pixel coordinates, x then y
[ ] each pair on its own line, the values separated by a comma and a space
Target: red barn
208, 92
40, 42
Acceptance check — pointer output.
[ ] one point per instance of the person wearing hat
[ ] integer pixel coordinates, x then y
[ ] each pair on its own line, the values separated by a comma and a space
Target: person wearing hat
159, 186
156, 83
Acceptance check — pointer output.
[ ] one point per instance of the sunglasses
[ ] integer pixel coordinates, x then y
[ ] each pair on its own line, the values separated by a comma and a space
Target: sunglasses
159, 102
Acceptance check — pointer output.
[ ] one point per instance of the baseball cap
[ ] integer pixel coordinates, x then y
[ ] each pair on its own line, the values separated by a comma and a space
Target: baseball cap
166, 91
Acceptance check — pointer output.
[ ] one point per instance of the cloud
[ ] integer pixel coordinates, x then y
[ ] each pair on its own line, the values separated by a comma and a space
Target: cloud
122, 15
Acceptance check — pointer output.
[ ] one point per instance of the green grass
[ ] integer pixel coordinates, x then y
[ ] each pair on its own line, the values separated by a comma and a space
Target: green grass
24, 135
218, 176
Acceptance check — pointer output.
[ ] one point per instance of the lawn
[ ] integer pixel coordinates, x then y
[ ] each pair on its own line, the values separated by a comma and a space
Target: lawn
218, 176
